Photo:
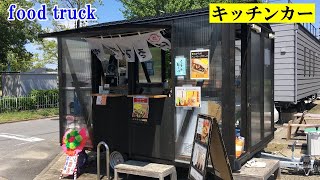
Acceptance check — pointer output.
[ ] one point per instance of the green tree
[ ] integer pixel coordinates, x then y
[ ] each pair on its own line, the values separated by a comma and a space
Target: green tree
14, 35
142, 8
49, 47
78, 4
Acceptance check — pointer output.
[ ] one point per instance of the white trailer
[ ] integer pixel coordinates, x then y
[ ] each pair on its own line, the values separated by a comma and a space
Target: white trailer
296, 65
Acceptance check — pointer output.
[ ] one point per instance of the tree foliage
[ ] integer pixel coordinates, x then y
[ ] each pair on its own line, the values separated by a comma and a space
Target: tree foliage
78, 4
49, 46
14, 35
142, 8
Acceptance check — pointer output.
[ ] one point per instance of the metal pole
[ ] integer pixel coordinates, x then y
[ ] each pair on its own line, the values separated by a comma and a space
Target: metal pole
107, 160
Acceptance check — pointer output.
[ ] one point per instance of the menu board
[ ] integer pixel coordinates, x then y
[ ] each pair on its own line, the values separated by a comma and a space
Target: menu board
199, 64
140, 108
199, 156
188, 97
208, 141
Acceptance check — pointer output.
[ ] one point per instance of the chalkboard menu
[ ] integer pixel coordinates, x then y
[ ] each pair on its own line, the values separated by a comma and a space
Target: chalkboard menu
208, 141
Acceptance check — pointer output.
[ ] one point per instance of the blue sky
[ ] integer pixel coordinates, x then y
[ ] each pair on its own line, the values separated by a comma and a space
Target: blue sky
110, 11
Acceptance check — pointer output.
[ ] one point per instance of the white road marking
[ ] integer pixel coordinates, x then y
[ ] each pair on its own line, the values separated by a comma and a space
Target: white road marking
21, 144
20, 137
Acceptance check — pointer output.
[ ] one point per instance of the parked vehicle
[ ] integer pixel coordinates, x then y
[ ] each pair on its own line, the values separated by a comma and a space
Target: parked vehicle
296, 65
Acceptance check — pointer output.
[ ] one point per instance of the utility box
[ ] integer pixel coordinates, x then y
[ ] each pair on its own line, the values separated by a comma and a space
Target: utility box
313, 140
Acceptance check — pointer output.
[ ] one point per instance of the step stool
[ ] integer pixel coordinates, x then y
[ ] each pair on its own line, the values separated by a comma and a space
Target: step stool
272, 169
145, 169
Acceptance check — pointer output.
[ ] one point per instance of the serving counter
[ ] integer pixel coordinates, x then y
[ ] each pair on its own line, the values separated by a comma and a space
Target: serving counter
153, 137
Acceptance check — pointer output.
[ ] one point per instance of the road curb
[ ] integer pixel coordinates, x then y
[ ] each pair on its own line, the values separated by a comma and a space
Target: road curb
49, 166
49, 117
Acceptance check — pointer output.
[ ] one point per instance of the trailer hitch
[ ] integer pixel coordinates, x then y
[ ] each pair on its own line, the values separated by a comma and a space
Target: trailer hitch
305, 163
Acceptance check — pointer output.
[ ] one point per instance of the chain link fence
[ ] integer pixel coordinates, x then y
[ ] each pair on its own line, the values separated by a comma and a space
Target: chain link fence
28, 102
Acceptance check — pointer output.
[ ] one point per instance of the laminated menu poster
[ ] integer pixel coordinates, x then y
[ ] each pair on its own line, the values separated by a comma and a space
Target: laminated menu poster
199, 64
101, 100
140, 110
180, 66
188, 96
70, 165
203, 129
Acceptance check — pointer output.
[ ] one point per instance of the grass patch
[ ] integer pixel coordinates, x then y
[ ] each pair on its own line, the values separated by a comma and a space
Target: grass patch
27, 115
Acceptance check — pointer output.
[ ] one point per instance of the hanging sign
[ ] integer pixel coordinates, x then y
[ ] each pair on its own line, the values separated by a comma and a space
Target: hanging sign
112, 46
188, 96
125, 45
140, 110
199, 64
180, 66
156, 39
142, 49
96, 48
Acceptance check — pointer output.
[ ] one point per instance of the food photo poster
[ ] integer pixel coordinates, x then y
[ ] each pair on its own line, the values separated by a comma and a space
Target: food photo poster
188, 97
140, 108
199, 64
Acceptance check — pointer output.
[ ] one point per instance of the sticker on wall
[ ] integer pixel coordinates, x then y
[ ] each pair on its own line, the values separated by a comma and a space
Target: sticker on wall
101, 100
140, 110
180, 66
188, 96
199, 64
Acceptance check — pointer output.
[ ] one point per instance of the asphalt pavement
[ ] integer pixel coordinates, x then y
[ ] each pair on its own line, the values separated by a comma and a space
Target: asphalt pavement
26, 148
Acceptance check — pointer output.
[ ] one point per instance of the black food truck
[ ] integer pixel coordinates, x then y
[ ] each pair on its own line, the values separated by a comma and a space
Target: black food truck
139, 84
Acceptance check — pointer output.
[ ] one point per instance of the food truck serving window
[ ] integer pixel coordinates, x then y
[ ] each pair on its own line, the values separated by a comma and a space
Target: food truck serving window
153, 67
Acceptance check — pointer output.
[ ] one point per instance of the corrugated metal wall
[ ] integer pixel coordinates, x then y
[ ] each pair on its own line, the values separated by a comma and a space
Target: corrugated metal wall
307, 81
284, 86
308, 63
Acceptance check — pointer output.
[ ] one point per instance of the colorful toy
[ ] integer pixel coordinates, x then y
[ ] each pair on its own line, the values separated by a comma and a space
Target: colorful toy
74, 141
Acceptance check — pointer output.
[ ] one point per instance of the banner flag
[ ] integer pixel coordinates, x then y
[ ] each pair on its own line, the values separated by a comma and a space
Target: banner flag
125, 45
156, 39
112, 46
141, 48
96, 47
